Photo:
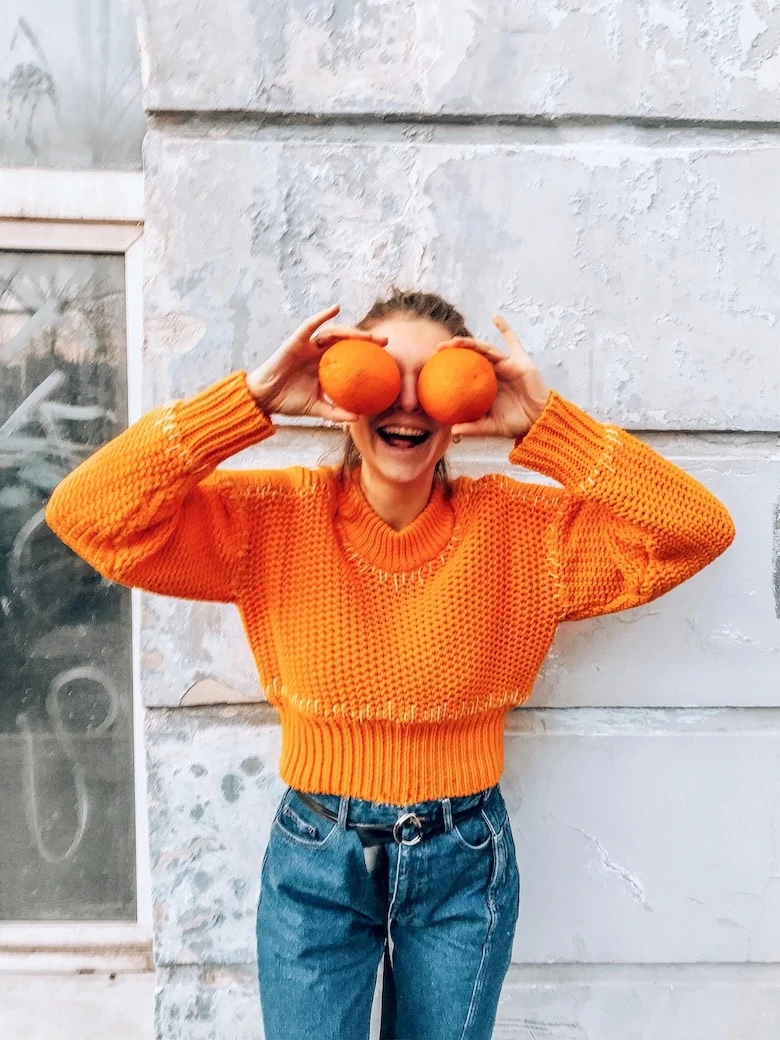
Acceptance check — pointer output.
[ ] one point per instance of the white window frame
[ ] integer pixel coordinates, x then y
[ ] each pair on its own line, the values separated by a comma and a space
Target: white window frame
95, 212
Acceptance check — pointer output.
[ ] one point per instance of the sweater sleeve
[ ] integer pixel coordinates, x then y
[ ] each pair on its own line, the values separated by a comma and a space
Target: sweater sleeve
150, 509
629, 525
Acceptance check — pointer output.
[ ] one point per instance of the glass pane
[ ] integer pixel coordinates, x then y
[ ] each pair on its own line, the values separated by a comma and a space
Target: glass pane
70, 84
67, 849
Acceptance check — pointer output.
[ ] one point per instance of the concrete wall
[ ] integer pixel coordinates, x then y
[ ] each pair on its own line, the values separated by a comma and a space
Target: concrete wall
606, 176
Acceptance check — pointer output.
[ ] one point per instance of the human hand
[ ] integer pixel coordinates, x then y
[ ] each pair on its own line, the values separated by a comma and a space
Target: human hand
287, 384
522, 392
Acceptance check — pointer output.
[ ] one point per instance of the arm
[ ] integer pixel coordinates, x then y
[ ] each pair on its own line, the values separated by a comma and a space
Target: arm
629, 525
150, 509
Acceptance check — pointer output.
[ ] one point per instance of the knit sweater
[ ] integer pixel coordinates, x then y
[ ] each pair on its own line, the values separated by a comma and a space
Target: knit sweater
392, 656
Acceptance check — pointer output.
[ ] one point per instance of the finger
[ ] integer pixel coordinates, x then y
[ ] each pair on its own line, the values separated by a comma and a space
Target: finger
324, 410
312, 324
479, 428
325, 337
488, 350
511, 337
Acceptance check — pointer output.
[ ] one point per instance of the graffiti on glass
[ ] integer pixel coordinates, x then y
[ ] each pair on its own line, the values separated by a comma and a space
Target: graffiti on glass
65, 703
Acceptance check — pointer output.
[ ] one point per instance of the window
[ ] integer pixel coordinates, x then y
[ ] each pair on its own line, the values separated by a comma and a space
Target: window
72, 792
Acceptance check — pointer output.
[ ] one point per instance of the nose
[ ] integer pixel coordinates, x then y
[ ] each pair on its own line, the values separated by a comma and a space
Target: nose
407, 396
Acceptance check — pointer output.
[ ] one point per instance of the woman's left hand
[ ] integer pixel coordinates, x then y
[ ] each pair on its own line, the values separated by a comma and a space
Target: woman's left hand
522, 392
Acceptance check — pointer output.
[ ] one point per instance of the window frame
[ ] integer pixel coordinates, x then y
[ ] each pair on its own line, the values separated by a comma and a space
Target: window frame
91, 212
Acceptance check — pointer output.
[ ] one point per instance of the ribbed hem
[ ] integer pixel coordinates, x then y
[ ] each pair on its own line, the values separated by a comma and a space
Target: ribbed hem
398, 763
564, 443
221, 420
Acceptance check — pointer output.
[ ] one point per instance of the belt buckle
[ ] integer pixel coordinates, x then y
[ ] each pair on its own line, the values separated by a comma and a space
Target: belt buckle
409, 817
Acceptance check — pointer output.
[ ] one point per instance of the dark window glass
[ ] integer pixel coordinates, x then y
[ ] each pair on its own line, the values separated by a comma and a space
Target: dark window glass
67, 842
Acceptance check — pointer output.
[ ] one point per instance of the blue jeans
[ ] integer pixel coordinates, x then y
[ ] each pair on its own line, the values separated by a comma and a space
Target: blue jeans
327, 905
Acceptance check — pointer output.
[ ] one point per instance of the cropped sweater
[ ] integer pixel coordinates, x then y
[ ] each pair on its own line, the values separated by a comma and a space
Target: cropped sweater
392, 656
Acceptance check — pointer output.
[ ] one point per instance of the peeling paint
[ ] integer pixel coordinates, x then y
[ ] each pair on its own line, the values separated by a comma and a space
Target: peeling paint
251, 766
172, 334
232, 787
608, 866
209, 691
188, 854
201, 880
378, 56
750, 27
541, 1029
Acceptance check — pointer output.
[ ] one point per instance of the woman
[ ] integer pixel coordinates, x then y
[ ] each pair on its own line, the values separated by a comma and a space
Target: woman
395, 617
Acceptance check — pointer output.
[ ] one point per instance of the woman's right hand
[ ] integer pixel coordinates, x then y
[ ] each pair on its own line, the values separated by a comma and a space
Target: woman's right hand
288, 384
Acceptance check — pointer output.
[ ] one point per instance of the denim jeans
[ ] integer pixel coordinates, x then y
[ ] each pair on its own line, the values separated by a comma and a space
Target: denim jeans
449, 905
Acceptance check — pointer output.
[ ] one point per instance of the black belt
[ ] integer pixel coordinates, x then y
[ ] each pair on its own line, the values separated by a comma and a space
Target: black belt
381, 834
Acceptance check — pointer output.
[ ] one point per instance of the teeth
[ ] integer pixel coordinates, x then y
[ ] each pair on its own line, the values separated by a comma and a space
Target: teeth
403, 431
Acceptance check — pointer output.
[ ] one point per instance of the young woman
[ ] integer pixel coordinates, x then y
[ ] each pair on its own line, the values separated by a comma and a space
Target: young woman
395, 616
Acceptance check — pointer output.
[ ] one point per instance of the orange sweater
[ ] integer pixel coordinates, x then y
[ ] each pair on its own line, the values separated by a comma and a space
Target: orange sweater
392, 656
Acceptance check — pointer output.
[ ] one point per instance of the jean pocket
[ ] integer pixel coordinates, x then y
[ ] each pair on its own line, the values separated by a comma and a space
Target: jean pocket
301, 824
474, 833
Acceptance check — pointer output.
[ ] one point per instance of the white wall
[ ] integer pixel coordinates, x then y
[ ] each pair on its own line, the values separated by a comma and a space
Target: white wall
606, 176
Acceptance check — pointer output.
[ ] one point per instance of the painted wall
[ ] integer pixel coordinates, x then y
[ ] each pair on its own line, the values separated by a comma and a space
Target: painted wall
605, 175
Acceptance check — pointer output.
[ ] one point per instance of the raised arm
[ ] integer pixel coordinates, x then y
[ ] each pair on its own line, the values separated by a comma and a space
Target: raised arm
150, 508
628, 525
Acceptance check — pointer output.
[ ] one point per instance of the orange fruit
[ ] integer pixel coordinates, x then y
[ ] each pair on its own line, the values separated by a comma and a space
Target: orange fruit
457, 385
359, 376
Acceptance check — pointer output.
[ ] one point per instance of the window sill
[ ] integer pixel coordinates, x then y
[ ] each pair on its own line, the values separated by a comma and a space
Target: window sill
74, 948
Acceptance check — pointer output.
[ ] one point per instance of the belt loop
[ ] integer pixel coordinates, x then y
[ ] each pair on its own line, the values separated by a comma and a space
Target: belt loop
343, 811
447, 806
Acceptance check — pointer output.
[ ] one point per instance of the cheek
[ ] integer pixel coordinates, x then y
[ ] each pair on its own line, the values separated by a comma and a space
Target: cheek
443, 441
360, 434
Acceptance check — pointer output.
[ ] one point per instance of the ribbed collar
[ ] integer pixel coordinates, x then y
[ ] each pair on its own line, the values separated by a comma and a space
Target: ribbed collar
379, 545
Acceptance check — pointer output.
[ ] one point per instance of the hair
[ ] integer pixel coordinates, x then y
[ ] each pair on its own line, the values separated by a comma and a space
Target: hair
407, 303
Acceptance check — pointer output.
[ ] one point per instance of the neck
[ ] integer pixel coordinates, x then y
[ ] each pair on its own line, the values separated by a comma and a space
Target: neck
397, 504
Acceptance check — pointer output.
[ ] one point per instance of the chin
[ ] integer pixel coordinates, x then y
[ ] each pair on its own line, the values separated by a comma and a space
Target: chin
394, 472
401, 472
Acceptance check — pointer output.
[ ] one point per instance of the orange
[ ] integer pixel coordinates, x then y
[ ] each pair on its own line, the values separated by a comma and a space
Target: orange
457, 385
359, 376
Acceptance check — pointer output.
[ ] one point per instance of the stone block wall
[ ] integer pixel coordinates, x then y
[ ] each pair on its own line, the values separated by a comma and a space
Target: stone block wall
605, 175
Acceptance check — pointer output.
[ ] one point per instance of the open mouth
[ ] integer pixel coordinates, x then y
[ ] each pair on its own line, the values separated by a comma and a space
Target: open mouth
402, 436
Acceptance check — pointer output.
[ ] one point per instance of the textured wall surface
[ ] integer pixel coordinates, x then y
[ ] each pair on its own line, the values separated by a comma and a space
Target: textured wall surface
690, 59
640, 271
632, 833
605, 175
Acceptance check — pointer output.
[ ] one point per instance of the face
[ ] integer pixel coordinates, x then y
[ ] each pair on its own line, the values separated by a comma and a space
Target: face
403, 443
